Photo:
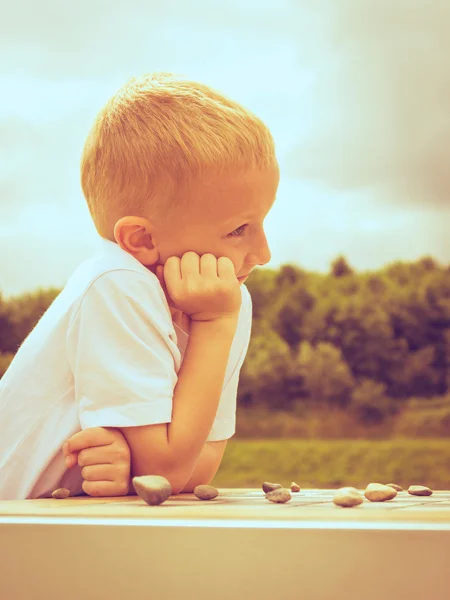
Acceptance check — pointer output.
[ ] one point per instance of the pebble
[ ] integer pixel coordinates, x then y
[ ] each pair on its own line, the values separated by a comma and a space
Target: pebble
61, 493
206, 492
419, 490
269, 487
279, 495
395, 487
153, 489
295, 487
348, 496
377, 492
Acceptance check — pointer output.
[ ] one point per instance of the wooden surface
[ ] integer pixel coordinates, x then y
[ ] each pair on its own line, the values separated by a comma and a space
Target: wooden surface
240, 504
238, 546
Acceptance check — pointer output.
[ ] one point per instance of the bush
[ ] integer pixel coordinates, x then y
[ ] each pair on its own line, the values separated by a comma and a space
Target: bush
369, 402
5, 361
424, 418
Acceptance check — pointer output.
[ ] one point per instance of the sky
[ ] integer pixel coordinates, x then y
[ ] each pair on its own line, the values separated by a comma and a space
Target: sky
356, 93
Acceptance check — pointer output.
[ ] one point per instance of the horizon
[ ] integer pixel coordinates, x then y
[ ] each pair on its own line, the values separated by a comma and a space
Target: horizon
360, 135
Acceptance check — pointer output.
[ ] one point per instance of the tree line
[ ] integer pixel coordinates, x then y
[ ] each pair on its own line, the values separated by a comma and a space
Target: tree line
358, 341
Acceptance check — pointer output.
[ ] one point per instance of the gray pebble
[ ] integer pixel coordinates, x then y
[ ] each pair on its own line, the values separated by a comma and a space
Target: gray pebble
206, 492
153, 489
419, 490
269, 487
61, 493
377, 492
395, 487
280, 495
348, 496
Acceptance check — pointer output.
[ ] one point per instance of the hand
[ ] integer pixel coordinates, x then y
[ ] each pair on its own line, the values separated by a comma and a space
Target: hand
104, 456
205, 288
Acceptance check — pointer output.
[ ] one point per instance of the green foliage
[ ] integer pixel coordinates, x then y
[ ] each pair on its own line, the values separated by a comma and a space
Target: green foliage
20, 315
335, 463
340, 267
326, 375
365, 341
369, 402
267, 370
5, 361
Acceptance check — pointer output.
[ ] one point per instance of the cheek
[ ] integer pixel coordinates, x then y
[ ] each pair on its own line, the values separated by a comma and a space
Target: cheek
236, 257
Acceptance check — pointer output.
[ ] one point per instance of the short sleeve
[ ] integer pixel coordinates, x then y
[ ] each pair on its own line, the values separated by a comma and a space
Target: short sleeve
121, 353
224, 426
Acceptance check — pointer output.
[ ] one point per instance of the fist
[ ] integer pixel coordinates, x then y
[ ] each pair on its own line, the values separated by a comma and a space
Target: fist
204, 287
104, 457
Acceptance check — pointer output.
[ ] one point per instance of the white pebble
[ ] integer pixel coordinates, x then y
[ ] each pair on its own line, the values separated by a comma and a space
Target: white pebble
348, 496
377, 492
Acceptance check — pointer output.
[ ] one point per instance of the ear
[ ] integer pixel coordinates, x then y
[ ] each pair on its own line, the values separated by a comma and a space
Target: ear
136, 236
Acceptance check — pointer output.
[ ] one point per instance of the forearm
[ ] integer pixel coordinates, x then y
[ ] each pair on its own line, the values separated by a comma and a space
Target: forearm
197, 393
205, 469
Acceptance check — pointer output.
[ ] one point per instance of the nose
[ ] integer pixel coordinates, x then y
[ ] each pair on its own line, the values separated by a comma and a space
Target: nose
261, 254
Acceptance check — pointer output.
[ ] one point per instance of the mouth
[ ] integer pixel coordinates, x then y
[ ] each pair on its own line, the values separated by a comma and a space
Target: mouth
243, 277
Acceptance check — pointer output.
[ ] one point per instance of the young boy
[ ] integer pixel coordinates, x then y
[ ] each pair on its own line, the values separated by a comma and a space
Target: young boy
136, 362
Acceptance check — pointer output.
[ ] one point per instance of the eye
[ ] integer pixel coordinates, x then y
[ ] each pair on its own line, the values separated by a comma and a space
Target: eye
238, 232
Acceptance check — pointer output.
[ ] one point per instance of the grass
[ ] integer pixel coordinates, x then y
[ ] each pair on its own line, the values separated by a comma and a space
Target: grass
336, 463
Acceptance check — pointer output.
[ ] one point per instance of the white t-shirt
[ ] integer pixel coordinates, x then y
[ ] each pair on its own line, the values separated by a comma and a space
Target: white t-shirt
106, 353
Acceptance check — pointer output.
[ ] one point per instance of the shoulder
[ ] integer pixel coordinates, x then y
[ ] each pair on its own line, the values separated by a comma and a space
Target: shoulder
124, 291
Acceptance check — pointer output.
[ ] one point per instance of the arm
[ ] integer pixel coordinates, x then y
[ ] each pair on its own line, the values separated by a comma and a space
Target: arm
206, 466
173, 449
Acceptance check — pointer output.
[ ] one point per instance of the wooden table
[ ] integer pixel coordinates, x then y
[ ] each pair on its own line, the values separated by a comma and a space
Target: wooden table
238, 545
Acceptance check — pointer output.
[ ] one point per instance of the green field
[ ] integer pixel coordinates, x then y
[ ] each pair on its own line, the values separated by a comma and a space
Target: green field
336, 463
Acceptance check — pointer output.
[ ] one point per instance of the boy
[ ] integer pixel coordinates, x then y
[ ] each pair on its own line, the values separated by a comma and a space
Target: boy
136, 362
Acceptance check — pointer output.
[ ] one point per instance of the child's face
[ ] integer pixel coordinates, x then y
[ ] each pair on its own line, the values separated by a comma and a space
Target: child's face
225, 218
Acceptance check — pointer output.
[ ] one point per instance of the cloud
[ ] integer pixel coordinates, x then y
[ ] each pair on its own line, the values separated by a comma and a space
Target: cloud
380, 101
94, 39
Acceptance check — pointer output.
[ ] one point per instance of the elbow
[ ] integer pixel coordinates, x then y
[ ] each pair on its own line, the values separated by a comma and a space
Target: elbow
176, 484
177, 481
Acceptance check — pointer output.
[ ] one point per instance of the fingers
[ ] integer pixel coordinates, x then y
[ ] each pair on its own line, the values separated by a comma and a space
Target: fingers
104, 489
94, 436
225, 268
104, 473
190, 264
71, 460
172, 269
208, 265
103, 455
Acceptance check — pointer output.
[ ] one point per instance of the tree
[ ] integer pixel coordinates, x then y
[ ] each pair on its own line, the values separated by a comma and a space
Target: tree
5, 361
326, 376
267, 373
340, 267
263, 289
290, 314
364, 334
289, 276
370, 403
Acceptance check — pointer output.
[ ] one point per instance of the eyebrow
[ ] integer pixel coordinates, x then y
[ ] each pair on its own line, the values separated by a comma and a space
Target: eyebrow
239, 218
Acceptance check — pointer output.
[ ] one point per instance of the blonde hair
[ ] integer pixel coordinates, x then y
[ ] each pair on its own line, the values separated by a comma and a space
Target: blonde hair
155, 137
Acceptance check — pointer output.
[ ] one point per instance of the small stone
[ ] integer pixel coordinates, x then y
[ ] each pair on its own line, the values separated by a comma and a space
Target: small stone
269, 487
295, 487
377, 492
61, 493
153, 489
279, 495
395, 487
419, 490
206, 492
348, 496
